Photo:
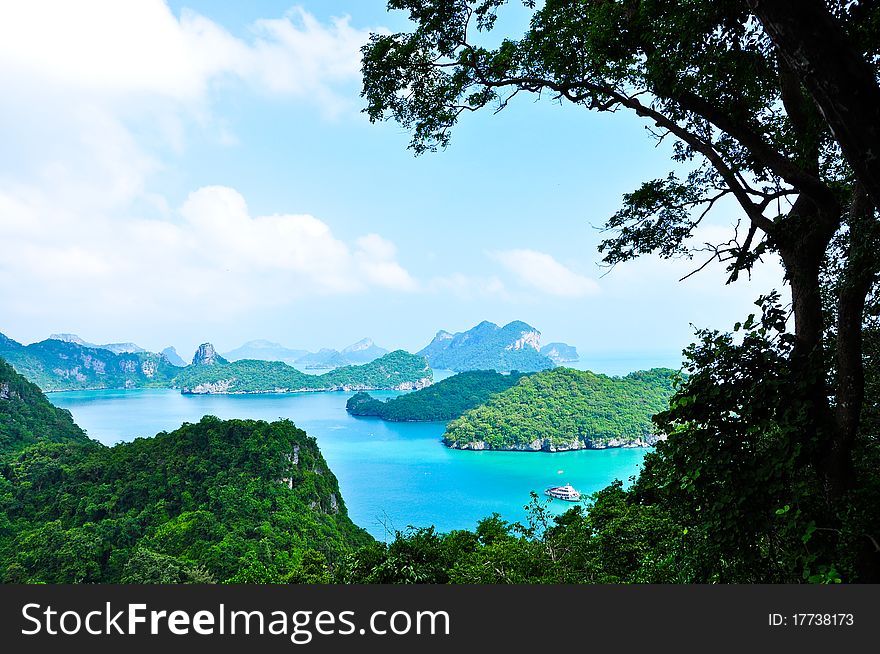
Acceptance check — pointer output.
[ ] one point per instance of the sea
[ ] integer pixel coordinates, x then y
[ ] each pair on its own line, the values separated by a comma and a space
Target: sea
392, 476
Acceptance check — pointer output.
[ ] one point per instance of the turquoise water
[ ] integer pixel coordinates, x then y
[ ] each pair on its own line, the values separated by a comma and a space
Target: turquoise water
391, 475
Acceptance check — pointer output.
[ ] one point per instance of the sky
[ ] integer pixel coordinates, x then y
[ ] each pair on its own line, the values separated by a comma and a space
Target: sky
183, 172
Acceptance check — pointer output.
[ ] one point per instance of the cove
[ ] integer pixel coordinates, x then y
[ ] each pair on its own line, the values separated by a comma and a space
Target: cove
392, 475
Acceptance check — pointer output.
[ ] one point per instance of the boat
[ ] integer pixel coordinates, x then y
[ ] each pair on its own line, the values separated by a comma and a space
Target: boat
567, 493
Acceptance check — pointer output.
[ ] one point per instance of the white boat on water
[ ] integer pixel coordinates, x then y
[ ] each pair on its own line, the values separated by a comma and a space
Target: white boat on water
567, 493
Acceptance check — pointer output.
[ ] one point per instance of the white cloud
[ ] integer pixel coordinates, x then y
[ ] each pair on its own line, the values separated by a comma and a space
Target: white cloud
211, 257
469, 287
542, 272
375, 259
296, 55
101, 95
140, 47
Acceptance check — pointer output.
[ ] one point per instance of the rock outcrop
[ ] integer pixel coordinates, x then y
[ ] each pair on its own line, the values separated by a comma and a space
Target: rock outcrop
206, 355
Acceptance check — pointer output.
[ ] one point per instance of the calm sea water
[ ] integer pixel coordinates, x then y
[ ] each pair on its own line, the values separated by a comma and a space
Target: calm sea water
391, 475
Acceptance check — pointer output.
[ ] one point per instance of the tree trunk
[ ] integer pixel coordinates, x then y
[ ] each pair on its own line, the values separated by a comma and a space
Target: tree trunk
858, 276
803, 239
843, 85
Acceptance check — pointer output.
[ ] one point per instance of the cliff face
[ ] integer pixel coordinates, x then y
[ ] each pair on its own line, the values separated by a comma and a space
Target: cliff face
206, 355
56, 365
417, 385
188, 507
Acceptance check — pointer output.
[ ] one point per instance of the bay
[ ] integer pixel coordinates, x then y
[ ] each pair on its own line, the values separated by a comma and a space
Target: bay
392, 475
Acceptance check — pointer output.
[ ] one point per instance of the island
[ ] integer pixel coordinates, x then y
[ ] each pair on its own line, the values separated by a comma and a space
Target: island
398, 370
564, 409
516, 346
218, 501
444, 400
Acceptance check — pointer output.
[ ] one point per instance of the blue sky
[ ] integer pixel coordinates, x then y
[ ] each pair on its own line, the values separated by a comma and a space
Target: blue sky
175, 173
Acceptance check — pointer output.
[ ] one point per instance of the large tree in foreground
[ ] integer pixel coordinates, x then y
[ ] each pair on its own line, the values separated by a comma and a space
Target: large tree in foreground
710, 77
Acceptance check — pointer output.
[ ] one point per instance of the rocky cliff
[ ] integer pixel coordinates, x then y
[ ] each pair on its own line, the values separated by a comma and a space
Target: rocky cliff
206, 355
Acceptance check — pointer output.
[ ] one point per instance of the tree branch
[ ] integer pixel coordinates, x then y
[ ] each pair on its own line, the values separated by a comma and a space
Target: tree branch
705, 148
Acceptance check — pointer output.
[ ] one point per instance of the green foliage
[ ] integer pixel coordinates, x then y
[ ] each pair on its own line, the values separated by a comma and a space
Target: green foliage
444, 400
148, 567
217, 500
27, 417
771, 457
734, 469
567, 409
398, 369
613, 540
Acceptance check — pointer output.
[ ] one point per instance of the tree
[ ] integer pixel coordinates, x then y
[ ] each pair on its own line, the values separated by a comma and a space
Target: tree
709, 76
829, 47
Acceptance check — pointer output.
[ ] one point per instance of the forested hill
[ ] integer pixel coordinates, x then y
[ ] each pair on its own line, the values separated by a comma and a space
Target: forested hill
565, 409
396, 370
27, 417
56, 365
444, 400
488, 347
224, 501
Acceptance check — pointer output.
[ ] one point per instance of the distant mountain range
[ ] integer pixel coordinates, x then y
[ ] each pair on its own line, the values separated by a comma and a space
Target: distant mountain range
262, 350
516, 346
59, 365
67, 362
363, 351
116, 348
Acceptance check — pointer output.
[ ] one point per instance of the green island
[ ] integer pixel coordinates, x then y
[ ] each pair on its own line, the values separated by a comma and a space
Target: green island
398, 370
217, 501
565, 409
515, 346
444, 400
